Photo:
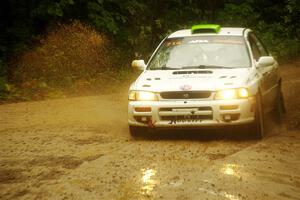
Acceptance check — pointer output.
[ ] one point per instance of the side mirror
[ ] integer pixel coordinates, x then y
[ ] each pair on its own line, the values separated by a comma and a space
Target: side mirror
138, 64
265, 61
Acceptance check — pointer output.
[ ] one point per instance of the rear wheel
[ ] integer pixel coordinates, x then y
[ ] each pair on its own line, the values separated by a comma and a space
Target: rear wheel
258, 127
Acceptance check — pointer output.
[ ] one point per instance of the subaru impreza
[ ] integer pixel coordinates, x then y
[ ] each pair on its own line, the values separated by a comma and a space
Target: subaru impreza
206, 76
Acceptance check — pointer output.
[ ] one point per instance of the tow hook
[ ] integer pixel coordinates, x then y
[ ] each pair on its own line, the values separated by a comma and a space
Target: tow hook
151, 124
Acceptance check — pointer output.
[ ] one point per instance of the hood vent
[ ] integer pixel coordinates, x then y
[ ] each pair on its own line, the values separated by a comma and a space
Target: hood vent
192, 72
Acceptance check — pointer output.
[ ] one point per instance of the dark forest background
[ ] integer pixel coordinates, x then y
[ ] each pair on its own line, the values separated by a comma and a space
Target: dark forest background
46, 45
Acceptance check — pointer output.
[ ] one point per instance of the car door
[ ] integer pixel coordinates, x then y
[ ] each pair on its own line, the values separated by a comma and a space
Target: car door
269, 74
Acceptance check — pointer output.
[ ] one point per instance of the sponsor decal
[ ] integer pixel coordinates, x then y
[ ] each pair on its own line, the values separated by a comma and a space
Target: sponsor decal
175, 121
187, 119
198, 41
186, 87
186, 95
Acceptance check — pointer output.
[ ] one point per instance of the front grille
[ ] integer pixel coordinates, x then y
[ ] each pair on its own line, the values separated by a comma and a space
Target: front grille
203, 108
185, 95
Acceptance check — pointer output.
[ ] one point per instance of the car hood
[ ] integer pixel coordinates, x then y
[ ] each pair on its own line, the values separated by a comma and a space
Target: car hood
208, 79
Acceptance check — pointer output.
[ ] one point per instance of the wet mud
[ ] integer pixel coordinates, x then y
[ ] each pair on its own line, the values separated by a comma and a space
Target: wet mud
80, 148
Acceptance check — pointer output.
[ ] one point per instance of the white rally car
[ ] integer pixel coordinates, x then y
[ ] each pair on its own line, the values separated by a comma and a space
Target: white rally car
206, 76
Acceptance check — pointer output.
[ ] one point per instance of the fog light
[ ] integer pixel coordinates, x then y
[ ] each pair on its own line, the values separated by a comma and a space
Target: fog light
143, 119
227, 118
243, 93
231, 117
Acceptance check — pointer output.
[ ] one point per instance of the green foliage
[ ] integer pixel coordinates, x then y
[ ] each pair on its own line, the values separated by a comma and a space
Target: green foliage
278, 26
137, 26
69, 53
3, 80
2, 84
51, 9
72, 58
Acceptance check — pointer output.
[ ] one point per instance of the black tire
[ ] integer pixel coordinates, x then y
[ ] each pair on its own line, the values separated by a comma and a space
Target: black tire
279, 107
258, 127
136, 131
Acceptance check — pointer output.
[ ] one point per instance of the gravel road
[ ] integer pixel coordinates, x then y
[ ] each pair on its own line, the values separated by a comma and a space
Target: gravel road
80, 148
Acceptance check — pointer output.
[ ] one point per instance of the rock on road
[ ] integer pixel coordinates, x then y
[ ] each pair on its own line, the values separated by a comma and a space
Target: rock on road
80, 148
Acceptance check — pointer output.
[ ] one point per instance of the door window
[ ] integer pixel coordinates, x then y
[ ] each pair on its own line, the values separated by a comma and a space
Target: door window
257, 47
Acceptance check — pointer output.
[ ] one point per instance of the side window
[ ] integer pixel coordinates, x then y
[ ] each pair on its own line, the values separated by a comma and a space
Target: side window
261, 47
257, 47
254, 48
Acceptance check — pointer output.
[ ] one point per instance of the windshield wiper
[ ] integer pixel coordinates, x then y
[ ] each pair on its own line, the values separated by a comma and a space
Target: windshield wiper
206, 67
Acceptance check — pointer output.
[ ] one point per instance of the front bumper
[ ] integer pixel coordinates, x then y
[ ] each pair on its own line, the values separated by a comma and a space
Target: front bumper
191, 113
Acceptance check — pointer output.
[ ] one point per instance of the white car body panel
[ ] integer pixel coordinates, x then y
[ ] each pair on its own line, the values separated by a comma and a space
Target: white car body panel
155, 81
213, 80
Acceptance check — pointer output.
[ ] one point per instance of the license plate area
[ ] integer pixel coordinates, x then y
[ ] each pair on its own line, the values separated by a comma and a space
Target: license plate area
185, 115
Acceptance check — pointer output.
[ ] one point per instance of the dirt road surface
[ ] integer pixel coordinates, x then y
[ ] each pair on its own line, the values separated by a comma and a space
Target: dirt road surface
80, 148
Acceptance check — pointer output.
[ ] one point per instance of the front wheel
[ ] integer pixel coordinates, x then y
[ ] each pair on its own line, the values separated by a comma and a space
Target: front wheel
279, 107
137, 131
258, 127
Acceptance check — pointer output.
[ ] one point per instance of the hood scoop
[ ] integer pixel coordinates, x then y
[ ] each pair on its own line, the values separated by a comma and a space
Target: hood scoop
193, 72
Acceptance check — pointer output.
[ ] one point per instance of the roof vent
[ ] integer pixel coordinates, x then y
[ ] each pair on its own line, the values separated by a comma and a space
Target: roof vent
206, 28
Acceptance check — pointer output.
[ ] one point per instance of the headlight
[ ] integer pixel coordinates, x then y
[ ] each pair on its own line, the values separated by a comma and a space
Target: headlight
142, 96
243, 93
232, 93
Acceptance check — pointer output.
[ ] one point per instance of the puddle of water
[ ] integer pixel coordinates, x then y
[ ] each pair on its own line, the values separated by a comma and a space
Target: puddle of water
229, 196
220, 194
231, 169
148, 181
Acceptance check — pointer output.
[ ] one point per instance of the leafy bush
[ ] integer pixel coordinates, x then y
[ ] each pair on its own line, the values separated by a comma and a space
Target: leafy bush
66, 53
2, 77
72, 58
277, 26
76, 56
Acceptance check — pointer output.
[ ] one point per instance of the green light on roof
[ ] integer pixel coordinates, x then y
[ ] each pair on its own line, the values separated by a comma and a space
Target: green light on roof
206, 28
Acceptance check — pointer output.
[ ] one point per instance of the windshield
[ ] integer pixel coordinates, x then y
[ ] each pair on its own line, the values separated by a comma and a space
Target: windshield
201, 52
